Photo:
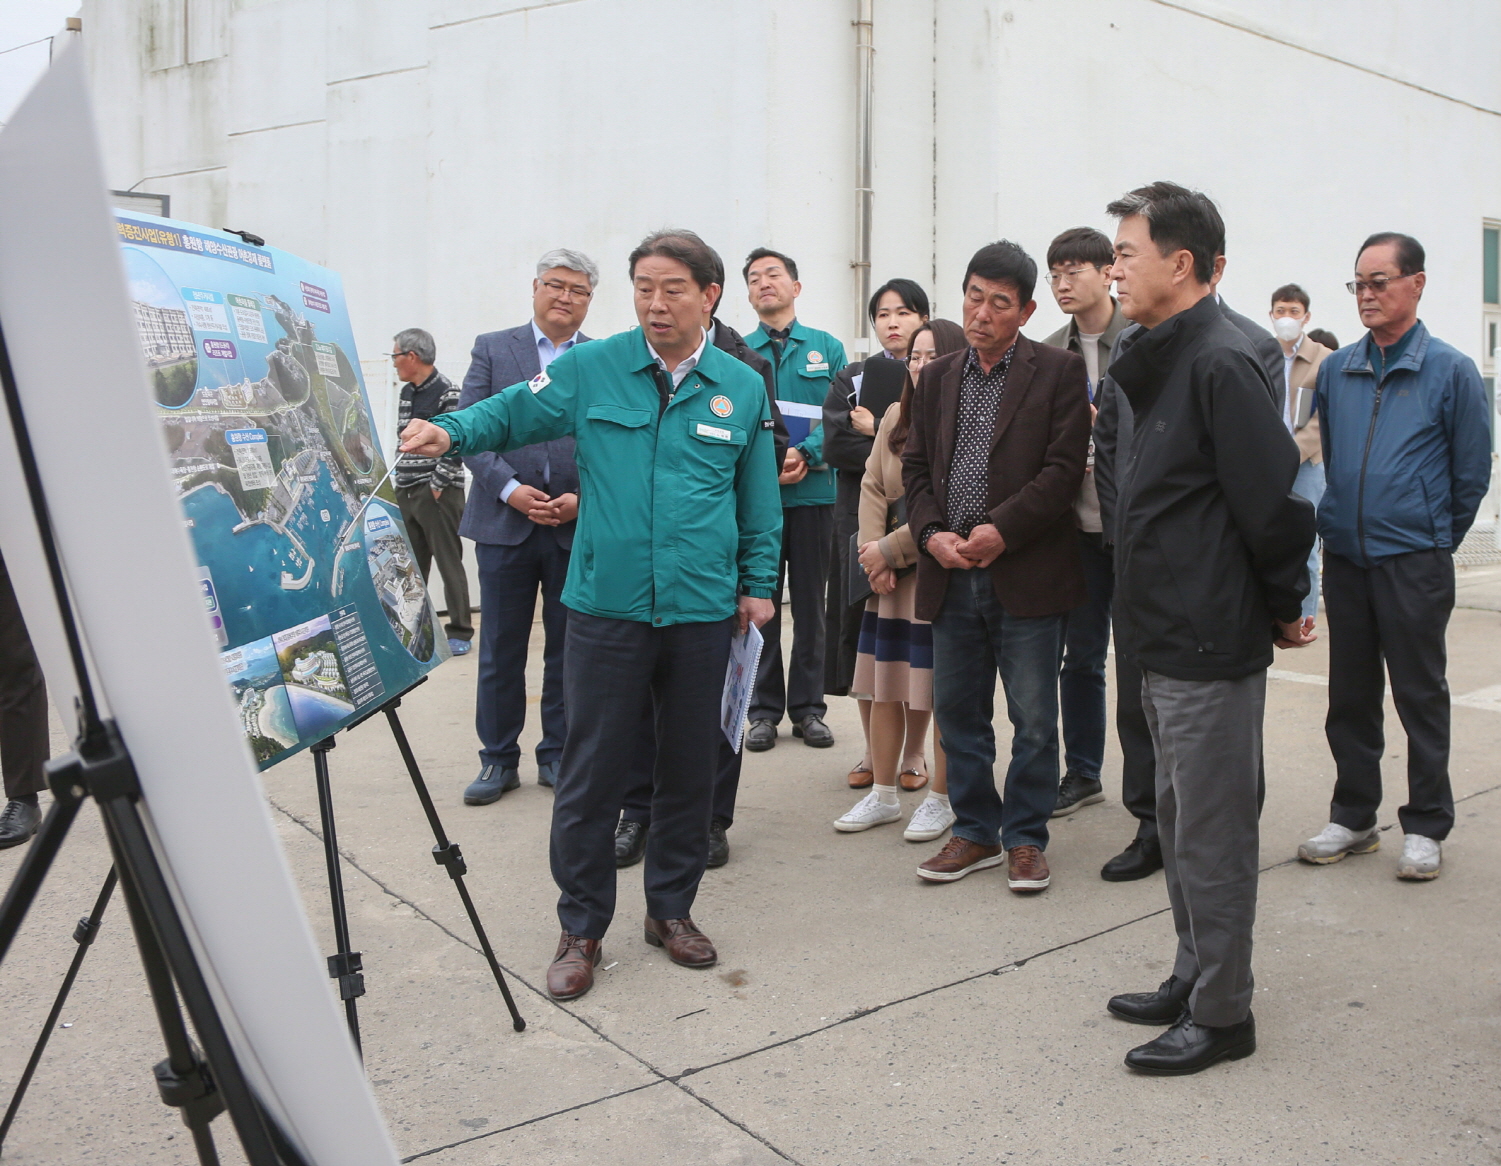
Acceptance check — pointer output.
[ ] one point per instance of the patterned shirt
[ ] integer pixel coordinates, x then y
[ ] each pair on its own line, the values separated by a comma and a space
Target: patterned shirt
435, 395
969, 475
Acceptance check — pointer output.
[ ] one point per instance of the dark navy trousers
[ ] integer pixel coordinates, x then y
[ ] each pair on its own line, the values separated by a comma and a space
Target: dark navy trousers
613, 669
509, 578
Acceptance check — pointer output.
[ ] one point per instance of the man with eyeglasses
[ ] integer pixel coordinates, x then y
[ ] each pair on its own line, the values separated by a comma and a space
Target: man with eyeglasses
430, 491
521, 516
1079, 275
1406, 429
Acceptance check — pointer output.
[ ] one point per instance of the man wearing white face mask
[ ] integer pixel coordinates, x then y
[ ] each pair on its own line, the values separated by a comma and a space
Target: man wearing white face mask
1301, 358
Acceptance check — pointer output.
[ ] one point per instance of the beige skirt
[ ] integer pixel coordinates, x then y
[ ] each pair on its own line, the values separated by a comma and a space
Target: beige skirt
895, 658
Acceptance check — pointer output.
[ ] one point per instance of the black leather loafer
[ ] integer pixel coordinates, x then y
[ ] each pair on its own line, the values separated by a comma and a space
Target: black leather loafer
1188, 1047
814, 732
18, 822
493, 780
630, 842
761, 736
719, 845
1142, 858
1163, 1006
547, 773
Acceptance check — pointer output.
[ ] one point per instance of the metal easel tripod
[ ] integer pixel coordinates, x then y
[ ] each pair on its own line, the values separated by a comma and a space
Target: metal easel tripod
346, 966
203, 1078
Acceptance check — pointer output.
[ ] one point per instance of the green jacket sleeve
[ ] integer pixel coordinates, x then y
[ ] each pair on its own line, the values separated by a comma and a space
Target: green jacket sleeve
537, 410
758, 511
812, 448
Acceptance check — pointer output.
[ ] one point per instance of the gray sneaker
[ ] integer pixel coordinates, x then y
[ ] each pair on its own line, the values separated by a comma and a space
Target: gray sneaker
1334, 841
1421, 858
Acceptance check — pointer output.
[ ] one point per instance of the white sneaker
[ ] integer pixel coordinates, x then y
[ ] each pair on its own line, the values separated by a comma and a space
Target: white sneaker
1420, 858
929, 821
869, 811
1334, 841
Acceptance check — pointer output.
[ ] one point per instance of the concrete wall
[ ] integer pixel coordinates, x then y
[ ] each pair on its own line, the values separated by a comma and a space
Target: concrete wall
429, 150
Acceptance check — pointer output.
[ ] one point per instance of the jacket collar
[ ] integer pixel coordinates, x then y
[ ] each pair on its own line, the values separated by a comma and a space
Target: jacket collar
1359, 359
710, 363
1118, 324
1018, 378
1148, 354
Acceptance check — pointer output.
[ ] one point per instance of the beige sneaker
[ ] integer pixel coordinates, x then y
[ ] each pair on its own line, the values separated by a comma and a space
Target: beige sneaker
1334, 841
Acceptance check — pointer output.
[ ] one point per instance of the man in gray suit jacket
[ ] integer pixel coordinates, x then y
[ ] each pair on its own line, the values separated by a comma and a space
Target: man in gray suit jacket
521, 514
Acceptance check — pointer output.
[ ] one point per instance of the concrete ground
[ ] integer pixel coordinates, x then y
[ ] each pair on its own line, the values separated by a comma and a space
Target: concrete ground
857, 1014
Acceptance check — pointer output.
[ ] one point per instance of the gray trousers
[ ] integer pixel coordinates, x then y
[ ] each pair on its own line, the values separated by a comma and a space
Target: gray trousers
1207, 734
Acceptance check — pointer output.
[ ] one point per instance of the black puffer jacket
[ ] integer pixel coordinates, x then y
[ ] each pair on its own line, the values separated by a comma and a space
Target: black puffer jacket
1213, 544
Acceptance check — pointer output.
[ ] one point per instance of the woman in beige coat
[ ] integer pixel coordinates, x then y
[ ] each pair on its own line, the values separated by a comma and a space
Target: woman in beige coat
894, 665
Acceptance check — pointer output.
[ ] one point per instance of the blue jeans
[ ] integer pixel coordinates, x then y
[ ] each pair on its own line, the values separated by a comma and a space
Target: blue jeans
973, 638
1086, 643
1310, 484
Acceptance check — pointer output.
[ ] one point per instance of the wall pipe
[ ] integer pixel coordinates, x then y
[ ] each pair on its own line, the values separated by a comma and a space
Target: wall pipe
864, 71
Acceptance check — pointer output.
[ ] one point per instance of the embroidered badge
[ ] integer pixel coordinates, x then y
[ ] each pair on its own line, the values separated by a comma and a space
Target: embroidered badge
815, 357
721, 406
539, 382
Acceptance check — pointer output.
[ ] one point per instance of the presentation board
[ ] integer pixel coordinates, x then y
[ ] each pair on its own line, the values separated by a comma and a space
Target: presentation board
310, 584
133, 575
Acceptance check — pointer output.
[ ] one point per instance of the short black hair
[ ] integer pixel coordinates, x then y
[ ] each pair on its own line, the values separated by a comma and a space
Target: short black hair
1290, 293
1178, 219
701, 260
1081, 245
767, 253
1410, 255
911, 294
1328, 339
1004, 262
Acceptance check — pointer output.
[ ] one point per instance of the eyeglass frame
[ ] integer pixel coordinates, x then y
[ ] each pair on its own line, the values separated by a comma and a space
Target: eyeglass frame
1356, 286
1053, 276
403, 352
567, 290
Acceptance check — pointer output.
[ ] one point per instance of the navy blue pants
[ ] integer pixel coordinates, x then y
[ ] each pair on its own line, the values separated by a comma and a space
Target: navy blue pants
612, 669
974, 637
1086, 643
509, 578
637, 807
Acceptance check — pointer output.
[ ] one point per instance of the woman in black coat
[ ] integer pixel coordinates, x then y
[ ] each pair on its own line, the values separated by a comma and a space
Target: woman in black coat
858, 398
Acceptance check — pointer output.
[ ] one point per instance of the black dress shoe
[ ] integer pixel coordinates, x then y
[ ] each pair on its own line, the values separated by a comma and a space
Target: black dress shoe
493, 780
547, 773
18, 822
1188, 1047
1160, 1007
814, 732
630, 842
761, 736
1075, 792
719, 845
1142, 858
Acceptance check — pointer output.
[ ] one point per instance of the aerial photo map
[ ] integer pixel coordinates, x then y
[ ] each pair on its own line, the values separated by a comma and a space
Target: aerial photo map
309, 581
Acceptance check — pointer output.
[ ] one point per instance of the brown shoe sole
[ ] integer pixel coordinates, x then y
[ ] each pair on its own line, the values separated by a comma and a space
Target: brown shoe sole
656, 941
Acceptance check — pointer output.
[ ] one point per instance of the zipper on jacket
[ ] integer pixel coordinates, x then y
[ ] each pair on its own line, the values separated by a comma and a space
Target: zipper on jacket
1366, 457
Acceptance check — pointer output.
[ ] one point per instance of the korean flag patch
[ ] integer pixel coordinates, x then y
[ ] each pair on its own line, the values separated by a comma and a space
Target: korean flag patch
539, 382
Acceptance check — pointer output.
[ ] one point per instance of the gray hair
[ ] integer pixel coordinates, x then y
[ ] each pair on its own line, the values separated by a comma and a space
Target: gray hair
419, 342
573, 261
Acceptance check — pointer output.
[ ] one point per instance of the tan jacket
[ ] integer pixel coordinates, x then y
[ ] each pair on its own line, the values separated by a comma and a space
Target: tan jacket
882, 486
1302, 380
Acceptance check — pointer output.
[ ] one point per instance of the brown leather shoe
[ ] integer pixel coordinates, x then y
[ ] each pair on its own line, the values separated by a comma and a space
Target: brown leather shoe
571, 972
685, 943
1026, 870
958, 858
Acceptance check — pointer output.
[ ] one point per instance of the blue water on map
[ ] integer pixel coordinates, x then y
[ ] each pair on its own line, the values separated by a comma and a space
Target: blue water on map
277, 715
247, 567
317, 714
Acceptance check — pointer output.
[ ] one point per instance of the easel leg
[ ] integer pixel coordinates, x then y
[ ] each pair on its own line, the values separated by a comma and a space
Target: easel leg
345, 966
446, 854
83, 935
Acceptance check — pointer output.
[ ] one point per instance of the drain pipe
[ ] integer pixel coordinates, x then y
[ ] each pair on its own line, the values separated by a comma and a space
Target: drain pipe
864, 69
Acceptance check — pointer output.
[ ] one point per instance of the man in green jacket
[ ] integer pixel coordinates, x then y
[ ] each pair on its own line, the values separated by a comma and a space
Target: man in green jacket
805, 361
678, 528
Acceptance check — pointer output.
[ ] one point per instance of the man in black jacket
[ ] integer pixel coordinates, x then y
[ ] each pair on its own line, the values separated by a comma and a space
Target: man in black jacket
1210, 554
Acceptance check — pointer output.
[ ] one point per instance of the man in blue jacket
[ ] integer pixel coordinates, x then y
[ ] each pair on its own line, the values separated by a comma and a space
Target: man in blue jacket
1406, 429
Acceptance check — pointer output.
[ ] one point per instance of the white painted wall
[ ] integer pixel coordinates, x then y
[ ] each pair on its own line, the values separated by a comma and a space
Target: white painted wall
430, 150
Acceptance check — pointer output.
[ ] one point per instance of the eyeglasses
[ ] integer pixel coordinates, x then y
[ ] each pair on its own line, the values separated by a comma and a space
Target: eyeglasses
399, 355
1377, 285
918, 359
566, 291
1073, 273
